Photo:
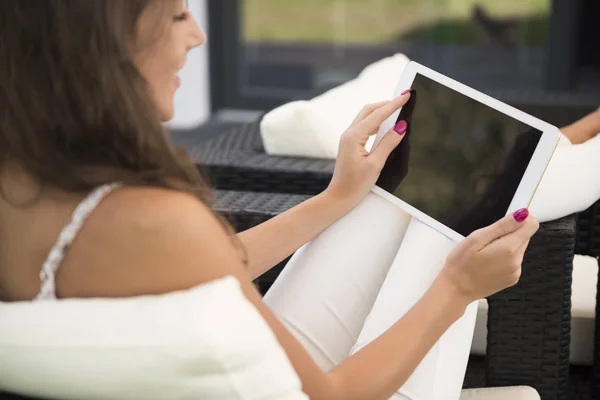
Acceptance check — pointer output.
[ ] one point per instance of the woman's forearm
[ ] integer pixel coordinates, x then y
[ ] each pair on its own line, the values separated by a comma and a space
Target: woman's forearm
396, 354
583, 129
271, 242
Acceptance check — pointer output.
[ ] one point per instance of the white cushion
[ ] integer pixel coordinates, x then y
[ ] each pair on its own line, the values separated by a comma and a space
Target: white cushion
560, 192
313, 128
583, 309
208, 342
505, 393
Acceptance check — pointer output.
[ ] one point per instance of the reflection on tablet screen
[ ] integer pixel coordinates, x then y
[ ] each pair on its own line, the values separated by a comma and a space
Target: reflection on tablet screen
461, 161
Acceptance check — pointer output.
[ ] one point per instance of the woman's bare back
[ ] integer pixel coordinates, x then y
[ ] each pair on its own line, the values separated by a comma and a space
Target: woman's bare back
108, 255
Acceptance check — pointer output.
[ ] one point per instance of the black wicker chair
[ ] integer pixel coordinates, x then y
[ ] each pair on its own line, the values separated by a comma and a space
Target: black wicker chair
526, 344
528, 325
588, 243
236, 160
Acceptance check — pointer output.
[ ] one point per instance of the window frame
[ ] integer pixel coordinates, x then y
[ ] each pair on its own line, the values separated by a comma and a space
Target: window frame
227, 63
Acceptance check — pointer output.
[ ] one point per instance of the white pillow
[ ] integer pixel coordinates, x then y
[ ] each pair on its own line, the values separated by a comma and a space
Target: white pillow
208, 342
313, 128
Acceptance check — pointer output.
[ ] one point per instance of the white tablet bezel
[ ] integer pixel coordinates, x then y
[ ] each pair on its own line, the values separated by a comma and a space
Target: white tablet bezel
533, 174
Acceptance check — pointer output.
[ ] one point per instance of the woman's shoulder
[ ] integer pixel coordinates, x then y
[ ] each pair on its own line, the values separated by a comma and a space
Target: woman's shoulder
140, 215
145, 241
147, 212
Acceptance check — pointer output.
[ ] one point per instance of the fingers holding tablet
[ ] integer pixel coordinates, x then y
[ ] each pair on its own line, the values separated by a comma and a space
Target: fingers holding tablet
356, 169
389, 143
489, 260
367, 110
370, 124
515, 241
517, 225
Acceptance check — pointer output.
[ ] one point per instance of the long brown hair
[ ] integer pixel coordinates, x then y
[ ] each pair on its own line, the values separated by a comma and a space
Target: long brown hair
75, 112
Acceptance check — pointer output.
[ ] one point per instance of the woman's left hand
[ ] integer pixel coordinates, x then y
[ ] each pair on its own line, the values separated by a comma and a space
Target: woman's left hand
357, 170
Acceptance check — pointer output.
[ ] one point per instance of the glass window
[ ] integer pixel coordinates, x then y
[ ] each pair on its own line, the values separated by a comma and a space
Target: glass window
290, 46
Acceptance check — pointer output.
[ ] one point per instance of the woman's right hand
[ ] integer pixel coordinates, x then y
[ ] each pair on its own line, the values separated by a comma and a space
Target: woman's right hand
489, 260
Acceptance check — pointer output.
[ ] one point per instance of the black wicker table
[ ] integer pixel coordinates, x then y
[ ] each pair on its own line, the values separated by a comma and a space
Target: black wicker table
236, 160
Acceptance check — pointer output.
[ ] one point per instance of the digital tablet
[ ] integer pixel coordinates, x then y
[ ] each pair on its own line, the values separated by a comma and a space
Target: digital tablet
467, 159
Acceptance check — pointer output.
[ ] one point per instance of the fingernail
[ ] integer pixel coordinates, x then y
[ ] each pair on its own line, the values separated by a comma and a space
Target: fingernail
401, 127
521, 215
405, 92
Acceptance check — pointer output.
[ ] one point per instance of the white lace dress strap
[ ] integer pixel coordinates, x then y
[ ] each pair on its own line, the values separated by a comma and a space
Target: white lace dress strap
66, 237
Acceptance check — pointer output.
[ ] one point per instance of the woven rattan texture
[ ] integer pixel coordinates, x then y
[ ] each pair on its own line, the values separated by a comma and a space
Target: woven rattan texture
529, 324
235, 160
588, 243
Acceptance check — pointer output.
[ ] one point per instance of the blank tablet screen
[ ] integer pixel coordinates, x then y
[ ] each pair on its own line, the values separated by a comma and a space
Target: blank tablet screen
461, 161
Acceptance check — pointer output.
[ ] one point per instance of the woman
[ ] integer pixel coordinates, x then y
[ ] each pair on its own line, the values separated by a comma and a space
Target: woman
84, 87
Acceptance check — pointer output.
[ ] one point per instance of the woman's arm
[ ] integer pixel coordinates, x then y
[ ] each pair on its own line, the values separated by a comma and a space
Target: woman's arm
356, 171
381, 368
584, 129
271, 242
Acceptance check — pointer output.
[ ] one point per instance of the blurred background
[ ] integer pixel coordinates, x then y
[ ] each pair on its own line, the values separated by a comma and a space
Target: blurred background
335, 39
263, 53
267, 52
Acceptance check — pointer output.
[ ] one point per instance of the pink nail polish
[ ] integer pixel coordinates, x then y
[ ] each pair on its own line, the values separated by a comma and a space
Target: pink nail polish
405, 92
521, 215
401, 127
